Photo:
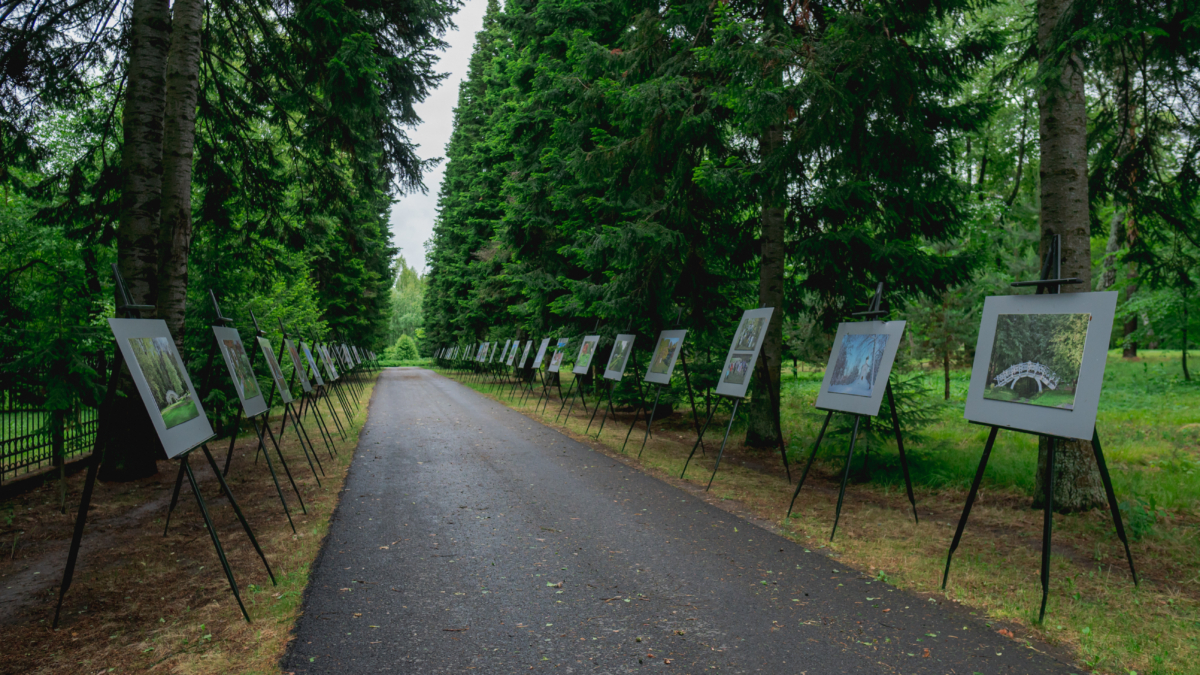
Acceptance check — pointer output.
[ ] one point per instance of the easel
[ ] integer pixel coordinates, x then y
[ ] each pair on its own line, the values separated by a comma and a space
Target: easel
307, 392
557, 378
654, 410
1051, 283
873, 311
287, 410
611, 385
228, 323
132, 311
778, 427
298, 411
322, 388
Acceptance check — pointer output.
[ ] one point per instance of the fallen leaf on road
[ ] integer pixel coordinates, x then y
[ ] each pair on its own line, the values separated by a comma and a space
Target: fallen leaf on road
454, 630
926, 654
1006, 633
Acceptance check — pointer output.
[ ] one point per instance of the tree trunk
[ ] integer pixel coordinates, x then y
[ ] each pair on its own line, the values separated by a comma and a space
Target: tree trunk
1064, 211
131, 454
1110, 252
179, 130
761, 430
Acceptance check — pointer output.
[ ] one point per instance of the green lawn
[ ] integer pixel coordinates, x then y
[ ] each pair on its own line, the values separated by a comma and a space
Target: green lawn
179, 412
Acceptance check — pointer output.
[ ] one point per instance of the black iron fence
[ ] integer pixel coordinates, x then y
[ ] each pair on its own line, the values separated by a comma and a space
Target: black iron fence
33, 438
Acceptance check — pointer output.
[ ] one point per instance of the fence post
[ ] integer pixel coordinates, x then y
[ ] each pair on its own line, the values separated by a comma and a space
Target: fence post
57, 438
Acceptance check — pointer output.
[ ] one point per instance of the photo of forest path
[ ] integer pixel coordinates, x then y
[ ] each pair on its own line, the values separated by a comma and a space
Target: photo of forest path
857, 364
156, 358
1036, 359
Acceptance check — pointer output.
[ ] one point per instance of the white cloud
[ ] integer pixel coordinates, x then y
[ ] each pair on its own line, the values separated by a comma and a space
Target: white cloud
412, 216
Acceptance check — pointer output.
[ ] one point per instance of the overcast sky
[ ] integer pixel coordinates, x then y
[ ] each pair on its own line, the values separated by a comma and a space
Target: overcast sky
412, 216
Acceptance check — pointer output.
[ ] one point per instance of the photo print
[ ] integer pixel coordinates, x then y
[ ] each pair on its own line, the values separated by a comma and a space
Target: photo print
587, 350
329, 369
541, 353
312, 364
736, 369
859, 358
525, 354
163, 384
512, 353
667, 349
157, 359
297, 364
750, 334
1039, 362
743, 352
285, 391
621, 349
1036, 359
238, 362
559, 351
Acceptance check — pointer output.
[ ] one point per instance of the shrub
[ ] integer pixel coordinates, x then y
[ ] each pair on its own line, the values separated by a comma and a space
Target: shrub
405, 349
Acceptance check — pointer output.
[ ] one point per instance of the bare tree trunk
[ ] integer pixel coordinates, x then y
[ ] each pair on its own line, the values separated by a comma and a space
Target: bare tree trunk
179, 131
132, 454
1064, 193
760, 430
1110, 253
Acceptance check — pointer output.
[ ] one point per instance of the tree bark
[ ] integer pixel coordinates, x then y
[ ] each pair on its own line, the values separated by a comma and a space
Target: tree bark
1064, 193
131, 454
179, 131
761, 430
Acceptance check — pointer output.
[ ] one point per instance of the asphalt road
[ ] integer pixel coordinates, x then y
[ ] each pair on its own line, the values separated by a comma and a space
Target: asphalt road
472, 538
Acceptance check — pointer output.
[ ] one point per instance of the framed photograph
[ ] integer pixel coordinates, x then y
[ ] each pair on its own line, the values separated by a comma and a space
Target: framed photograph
559, 351
297, 364
512, 353
667, 348
1039, 363
504, 354
238, 363
491, 356
312, 364
541, 353
525, 354
482, 350
328, 363
743, 352
622, 348
163, 384
276, 372
859, 366
587, 350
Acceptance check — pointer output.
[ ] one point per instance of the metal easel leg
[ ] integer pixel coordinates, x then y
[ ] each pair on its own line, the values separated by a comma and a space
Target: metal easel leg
650, 421
732, 417
237, 509
845, 476
1047, 523
174, 498
212, 531
85, 501
808, 466
607, 410
962, 520
698, 438
275, 479
900, 447
1112, 502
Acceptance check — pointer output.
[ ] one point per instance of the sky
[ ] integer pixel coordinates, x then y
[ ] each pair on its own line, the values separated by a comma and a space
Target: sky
412, 215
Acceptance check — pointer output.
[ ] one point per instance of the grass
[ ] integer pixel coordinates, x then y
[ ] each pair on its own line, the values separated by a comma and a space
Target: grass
1148, 424
148, 603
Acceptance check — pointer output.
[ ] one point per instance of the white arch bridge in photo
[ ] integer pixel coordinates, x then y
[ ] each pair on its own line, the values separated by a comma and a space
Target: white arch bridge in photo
1044, 377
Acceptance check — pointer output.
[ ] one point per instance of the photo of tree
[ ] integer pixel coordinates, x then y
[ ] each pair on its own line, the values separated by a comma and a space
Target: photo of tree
664, 355
239, 364
857, 365
1036, 359
749, 334
312, 364
738, 369
619, 350
160, 366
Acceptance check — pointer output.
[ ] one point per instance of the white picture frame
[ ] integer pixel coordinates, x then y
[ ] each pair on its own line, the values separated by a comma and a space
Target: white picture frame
233, 352
618, 358
667, 349
860, 363
743, 352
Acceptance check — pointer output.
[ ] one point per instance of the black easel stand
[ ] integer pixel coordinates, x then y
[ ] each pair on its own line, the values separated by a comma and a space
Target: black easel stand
700, 437
872, 312
1051, 283
132, 311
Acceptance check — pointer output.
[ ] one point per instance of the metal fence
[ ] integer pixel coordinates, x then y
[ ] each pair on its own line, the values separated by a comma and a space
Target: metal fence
33, 438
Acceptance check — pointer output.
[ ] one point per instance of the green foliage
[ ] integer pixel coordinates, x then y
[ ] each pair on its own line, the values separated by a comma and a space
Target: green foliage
405, 349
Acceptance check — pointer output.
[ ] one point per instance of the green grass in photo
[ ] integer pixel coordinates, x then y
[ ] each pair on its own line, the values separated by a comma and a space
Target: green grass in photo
179, 412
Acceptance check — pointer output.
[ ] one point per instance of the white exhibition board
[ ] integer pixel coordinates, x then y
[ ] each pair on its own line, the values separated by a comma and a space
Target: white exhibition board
743, 352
